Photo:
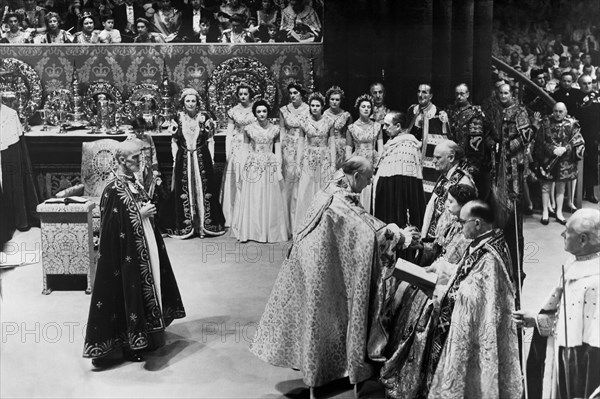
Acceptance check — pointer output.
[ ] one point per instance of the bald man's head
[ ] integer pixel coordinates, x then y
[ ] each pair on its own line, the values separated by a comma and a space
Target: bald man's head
559, 111
128, 156
447, 154
359, 172
582, 232
505, 94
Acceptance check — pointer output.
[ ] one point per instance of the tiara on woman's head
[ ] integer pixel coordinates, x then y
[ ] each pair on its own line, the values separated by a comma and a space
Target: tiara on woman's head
361, 98
334, 90
316, 96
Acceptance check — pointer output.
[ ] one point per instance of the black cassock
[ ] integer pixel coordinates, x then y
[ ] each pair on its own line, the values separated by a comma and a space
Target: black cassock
124, 308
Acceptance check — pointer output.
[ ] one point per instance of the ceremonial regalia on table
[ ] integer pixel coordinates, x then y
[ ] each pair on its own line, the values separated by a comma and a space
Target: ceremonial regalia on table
318, 315
582, 285
552, 134
192, 205
135, 293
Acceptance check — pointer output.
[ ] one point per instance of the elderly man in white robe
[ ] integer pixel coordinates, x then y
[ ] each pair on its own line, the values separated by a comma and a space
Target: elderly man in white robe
575, 341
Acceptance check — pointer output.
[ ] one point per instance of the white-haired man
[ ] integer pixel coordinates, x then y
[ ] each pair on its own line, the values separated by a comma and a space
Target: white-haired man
135, 294
575, 341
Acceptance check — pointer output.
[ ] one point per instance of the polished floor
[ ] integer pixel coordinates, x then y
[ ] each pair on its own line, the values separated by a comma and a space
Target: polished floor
224, 286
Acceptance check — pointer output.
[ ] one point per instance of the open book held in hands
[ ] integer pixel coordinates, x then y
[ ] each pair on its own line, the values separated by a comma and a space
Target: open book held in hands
414, 274
67, 200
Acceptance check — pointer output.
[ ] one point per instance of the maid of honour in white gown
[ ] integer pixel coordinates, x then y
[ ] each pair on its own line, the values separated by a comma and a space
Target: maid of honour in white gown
259, 209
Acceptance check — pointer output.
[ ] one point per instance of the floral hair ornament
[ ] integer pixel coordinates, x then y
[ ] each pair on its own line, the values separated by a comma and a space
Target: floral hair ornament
361, 98
316, 96
334, 90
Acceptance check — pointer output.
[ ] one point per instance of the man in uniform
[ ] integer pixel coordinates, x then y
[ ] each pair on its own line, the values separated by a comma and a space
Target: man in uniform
511, 133
466, 129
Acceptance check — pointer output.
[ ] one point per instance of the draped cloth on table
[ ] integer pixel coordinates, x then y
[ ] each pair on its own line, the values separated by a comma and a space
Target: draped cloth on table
318, 315
135, 292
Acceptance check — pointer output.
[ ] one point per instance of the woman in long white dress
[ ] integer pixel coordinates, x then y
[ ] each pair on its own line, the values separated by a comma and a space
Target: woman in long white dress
259, 212
365, 137
316, 155
341, 120
238, 117
290, 116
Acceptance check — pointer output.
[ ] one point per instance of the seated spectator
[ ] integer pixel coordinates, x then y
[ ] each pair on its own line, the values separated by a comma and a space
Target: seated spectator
300, 22
237, 33
252, 25
575, 52
167, 20
550, 53
268, 14
527, 55
96, 8
15, 35
564, 64
88, 34
590, 71
195, 15
109, 34
145, 35
65, 10
32, 17
558, 46
125, 16
54, 34
271, 34
207, 33
228, 9
515, 61
586, 66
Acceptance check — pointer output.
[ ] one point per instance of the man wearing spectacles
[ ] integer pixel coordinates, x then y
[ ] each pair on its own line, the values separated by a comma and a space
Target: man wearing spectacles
474, 319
